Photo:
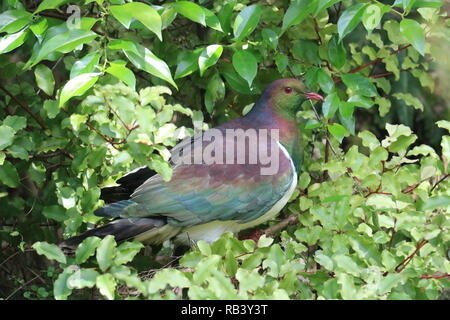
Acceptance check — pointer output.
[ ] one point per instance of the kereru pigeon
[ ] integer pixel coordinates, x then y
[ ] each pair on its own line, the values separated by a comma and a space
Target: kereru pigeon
233, 189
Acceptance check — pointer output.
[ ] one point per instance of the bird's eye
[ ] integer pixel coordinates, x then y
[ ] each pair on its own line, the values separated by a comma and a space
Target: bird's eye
288, 90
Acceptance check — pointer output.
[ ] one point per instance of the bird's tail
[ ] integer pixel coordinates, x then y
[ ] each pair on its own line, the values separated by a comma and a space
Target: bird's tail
121, 229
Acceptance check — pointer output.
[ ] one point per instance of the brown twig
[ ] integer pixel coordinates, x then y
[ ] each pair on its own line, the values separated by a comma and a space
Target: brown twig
25, 107
439, 181
436, 276
337, 81
293, 218
402, 265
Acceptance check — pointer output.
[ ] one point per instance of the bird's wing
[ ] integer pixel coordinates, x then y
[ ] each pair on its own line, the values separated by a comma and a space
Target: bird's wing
199, 193
126, 185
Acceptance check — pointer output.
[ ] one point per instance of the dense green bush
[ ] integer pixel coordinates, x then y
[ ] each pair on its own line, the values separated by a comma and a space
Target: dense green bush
86, 100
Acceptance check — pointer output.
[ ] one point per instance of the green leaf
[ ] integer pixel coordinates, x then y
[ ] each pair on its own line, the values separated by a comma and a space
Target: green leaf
372, 15
270, 37
15, 122
107, 285
359, 84
12, 41
9, 175
412, 31
126, 251
297, 12
106, 252
12, 21
282, 62
326, 83
60, 289
444, 124
50, 251
209, 56
330, 105
410, 100
246, 21
86, 249
204, 248
237, 82
77, 86
51, 107
350, 19
214, 91
246, 65
346, 110
55, 212
187, 63
445, 144
191, 11
63, 42
324, 260
436, 202
336, 52
369, 140
6, 136
338, 131
249, 280
211, 20
347, 264
122, 73
360, 101
82, 278
49, 4
142, 12
87, 64
144, 59
389, 282
44, 79
304, 180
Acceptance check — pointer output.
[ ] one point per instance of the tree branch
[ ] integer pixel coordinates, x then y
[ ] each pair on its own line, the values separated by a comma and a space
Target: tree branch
292, 219
25, 107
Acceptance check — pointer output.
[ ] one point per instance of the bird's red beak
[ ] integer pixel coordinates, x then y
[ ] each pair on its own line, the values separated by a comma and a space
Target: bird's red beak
314, 96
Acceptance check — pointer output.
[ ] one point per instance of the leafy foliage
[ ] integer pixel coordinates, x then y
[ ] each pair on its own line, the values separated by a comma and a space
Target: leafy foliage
87, 99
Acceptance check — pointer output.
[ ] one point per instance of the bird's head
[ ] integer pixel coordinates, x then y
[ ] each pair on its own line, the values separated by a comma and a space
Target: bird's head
286, 95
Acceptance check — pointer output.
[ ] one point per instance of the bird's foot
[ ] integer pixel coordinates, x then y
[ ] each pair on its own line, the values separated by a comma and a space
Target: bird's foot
255, 235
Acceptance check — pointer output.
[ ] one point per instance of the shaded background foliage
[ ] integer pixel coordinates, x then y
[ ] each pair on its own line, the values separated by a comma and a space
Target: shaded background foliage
82, 104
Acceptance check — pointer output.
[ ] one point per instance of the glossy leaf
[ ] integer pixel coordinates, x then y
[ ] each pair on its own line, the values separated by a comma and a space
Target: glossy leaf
297, 12
191, 11
122, 73
359, 84
77, 86
187, 63
144, 59
86, 249
208, 57
142, 12
412, 31
12, 21
338, 131
349, 19
44, 79
106, 252
246, 21
49, 4
246, 65
87, 64
51, 251
64, 42
330, 105
336, 52
12, 41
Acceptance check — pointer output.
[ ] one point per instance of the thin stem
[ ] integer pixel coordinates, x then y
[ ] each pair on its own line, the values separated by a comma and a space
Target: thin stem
25, 107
